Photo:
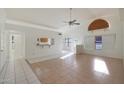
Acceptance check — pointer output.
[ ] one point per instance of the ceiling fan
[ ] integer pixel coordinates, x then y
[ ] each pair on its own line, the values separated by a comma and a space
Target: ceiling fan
72, 22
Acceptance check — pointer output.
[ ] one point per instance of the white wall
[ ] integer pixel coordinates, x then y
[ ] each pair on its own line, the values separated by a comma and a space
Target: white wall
75, 32
33, 51
31, 35
3, 47
115, 28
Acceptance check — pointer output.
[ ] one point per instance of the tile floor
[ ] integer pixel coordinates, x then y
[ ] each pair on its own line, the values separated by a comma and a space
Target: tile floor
18, 72
80, 69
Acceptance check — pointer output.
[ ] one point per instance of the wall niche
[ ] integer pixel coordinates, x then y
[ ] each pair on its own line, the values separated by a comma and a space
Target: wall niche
98, 24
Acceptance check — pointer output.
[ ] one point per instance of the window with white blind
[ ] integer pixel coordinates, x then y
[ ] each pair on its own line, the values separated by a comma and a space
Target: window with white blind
98, 42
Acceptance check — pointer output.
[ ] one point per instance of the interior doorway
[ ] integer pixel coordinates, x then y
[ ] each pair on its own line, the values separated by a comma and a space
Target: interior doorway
69, 44
16, 45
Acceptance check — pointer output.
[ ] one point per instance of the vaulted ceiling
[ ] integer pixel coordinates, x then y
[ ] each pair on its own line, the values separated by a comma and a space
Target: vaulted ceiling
54, 17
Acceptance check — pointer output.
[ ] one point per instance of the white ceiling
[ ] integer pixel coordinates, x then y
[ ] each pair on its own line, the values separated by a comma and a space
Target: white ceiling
54, 17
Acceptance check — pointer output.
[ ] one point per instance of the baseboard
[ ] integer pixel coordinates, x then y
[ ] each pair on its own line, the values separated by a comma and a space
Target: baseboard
91, 52
40, 59
44, 58
100, 56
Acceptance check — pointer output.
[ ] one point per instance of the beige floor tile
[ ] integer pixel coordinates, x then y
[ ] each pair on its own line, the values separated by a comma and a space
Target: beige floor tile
80, 69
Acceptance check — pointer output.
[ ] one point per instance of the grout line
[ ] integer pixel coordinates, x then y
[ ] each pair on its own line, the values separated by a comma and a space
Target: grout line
24, 72
14, 72
10, 67
5, 72
3, 68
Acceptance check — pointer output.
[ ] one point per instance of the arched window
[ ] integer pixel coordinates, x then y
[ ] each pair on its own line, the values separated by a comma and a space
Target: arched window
98, 24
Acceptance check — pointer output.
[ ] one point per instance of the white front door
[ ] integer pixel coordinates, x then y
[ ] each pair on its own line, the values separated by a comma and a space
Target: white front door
16, 49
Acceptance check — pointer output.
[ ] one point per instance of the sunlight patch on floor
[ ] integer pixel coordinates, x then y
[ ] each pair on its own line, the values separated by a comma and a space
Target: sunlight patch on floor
100, 66
67, 55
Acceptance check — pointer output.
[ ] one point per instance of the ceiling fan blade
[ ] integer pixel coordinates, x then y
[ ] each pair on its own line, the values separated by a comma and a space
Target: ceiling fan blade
77, 23
73, 21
